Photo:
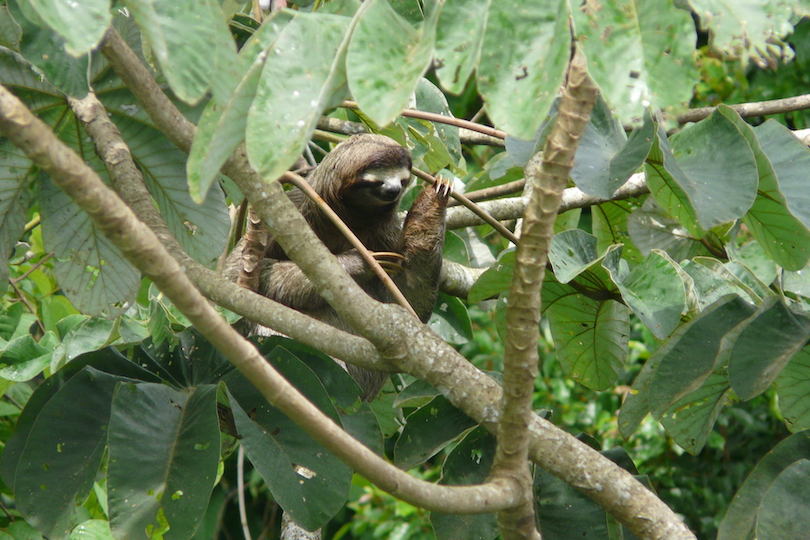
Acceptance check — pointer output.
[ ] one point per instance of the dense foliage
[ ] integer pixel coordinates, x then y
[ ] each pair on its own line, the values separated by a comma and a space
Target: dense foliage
676, 320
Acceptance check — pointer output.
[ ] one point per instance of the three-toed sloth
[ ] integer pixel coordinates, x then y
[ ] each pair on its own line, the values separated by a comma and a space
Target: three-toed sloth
363, 180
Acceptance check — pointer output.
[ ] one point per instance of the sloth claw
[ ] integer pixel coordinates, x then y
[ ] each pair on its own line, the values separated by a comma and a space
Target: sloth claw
443, 186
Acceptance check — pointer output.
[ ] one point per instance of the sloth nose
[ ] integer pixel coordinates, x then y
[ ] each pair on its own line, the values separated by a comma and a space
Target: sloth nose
389, 192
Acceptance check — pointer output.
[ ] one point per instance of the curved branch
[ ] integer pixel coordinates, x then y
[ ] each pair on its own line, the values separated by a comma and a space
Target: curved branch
143, 249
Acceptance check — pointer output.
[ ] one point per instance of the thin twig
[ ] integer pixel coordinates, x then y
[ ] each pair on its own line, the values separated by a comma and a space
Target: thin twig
449, 120
477, 210
302, 184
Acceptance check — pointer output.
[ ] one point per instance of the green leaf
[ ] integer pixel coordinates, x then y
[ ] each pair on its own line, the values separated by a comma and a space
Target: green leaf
523, 60
610, 224
164, 456
429, 429
494, 280
641, 54
309, 51
93, 274
766, 343
690, 355
571, 253
650, 227
690, 419
387, 57
305, 479
591, 338
709, 158
741, 517
710, 285
222, 125
188, 42
724, 273
23, 358
45, 49
14, 196
459, 38
61, 451
752, 256
467, 464
779, 219
793, 387
606, 158
784, 514
82, 24
451, 320
341, 387
92, 529
656, 292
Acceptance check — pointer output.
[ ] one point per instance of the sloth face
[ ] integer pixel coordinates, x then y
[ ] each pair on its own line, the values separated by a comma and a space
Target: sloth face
378, 189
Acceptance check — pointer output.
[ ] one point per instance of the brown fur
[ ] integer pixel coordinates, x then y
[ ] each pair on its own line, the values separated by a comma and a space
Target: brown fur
338, 179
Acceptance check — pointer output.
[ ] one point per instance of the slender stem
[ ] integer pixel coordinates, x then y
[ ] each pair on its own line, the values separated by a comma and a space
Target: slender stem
240, 489
477, 210
439, 118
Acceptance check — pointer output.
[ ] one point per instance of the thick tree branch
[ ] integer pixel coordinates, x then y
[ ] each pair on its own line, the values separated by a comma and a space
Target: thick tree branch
143, 249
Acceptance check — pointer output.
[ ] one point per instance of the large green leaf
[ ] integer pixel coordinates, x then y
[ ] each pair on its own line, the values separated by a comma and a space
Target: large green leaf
92, 272
711, 176
82, 24
711, 285
690, 355
741, 517
690, 419
306, 480
14, 196
222, 125
784, 514
523, 60
459, 38
429, 429
606, 158
164, 455
780, 219
591, 338
656, 291
44, 48
640, 54
387, 57
765, 344
793, 388
61, 451
610, 224
202, 229
189, 40
309, 51
650, 227
467, 464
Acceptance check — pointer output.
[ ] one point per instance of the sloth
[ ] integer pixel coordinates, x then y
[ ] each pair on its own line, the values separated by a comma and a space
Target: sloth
363, 180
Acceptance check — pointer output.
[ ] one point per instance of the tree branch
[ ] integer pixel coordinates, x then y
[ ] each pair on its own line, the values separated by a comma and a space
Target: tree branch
748, 110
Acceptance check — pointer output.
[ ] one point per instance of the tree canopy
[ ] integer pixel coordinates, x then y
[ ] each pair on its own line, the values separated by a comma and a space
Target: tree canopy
628, 261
